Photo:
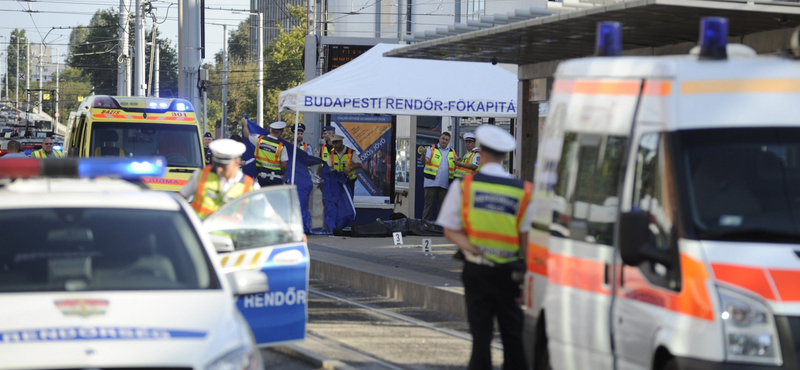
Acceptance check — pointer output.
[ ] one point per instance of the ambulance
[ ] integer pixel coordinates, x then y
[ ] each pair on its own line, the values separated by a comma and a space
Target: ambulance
666, 218
123, 126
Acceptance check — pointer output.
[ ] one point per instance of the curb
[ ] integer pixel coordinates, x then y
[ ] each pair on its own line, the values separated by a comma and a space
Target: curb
432, 298
314, 359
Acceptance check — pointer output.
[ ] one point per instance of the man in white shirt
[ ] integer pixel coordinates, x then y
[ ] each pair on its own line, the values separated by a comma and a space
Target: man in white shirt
440, 167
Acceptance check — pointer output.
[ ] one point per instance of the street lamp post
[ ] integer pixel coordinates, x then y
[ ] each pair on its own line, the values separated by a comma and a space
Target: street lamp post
260, 103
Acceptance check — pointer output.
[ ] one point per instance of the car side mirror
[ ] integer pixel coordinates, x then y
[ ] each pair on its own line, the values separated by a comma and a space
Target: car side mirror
223, 244
244, 282
633, 233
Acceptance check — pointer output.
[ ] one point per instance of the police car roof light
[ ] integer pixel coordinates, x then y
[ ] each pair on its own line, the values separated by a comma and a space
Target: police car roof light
713, 38
181, 105
609, 39
105, 102
124, 168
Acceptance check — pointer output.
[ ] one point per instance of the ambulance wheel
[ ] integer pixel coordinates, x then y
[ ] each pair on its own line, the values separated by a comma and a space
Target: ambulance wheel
671, 364
541, 355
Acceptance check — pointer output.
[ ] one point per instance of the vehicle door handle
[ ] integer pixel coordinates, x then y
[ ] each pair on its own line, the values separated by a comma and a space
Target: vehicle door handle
606, 273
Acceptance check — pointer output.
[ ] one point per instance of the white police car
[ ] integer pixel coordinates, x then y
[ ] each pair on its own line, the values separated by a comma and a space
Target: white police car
98, 273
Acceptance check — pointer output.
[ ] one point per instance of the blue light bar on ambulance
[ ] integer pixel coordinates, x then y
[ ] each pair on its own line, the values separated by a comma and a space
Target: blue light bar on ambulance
713, 38
124, 168
181, 105
609, 39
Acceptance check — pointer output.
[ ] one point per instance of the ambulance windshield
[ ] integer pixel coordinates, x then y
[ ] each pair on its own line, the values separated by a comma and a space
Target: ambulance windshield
179, 144
744, 183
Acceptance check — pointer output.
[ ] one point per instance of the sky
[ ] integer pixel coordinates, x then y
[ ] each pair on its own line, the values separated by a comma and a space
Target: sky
45, 15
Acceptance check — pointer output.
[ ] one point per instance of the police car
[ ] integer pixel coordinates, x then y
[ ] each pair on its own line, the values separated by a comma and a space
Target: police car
98, 272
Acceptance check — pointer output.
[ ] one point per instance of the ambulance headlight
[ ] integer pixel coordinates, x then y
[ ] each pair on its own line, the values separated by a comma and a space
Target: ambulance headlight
749, 327
242, 358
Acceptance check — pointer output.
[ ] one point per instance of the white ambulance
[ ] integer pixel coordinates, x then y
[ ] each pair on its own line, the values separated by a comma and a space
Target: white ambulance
667, 212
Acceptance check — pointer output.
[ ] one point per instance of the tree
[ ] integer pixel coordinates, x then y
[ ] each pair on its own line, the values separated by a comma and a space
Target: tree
17, 35
94, 52
72, 87
168, 66
238, 45
284, 64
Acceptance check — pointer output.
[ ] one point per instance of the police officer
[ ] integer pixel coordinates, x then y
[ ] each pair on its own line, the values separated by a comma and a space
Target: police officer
440, 170
300, 130
471, 161
492, 234
271, 156
207, 140
47, 150
327, 146
344, 160
219, 182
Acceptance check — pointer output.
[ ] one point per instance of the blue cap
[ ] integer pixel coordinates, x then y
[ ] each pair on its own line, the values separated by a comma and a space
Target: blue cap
301, 127
207, 134
329, 128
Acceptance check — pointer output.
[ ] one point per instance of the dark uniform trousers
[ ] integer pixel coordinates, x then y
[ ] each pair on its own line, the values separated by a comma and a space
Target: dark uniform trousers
491, 292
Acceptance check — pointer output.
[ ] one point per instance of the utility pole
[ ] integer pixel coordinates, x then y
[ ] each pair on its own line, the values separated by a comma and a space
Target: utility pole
157, 68
16, 94
58, 114
123, 68
41, 77
224, 81
260, 82
28, 73
139, 82
189, 46
7, 96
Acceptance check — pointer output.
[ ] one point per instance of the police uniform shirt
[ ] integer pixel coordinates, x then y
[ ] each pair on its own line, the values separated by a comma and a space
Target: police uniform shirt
476, 159
442, 179
309, 150
254, 141
224, 184
450, 215
340, 155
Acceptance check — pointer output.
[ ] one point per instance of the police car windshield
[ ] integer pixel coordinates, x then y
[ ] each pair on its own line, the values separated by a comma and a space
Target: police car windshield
744, 183
179, 144
65, 249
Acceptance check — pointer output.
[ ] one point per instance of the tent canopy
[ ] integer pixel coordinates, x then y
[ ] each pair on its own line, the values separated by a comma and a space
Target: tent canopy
374, 84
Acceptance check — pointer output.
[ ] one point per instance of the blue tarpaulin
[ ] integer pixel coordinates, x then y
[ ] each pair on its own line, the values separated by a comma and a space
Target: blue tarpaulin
340, 210
302, 178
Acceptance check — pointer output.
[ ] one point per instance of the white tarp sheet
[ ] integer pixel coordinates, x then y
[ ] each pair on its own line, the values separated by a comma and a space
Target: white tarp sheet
374, 84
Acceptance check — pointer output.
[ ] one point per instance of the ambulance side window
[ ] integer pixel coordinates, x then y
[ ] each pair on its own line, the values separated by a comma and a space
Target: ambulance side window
562, 190
652, 194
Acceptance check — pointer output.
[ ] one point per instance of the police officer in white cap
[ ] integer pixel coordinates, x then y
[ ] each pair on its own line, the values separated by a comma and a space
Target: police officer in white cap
271, 157
471, 161
492, 235
221, 181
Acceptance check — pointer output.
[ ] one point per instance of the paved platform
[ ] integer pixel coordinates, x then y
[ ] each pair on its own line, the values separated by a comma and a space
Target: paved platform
404, 272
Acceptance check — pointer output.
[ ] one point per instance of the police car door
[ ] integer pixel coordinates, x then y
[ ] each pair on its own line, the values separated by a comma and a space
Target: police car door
266, 229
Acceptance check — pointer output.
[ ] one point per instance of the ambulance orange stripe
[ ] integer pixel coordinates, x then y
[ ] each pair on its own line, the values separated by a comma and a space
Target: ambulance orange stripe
693, 299
788, 284
597, 87
658, 88
576, 273
754, 279
537, 259
741, 86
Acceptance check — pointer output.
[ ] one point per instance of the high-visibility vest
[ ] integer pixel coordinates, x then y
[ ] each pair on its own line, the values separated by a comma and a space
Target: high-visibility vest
340, 163
40, 154
268, 154
325, 152
492, 212
432, 166
303, 146
208, 199
462, 171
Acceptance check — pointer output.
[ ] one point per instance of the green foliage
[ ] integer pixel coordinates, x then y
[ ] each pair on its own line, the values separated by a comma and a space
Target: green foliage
11, 61
72, 87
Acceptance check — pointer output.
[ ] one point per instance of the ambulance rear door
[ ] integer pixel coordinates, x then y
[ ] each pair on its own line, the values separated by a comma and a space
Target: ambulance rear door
596, 125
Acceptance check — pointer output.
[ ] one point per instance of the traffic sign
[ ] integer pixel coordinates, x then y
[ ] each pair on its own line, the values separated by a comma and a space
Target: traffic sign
21, 76
57, 115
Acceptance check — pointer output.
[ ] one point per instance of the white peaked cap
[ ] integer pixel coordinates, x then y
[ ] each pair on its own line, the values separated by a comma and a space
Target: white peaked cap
277, 125
495, 138
226, 150
469, 135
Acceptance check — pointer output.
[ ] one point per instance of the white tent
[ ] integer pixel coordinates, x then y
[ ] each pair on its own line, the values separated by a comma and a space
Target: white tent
374, 84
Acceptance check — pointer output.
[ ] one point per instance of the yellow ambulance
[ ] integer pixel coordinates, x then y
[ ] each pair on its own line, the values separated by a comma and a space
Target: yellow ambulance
666, 222
121, 126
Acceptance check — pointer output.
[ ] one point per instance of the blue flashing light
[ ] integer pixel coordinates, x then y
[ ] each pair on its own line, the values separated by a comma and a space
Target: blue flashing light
153, 105
125, 168
58, 147
163, 105
609, 39
713, 38
180, 107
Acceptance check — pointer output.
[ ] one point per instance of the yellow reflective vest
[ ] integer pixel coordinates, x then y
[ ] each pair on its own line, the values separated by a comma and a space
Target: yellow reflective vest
208, 199
340, 163
462, 171
268, 154
432, 166
40, 154
325, 152
492, 212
